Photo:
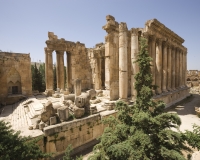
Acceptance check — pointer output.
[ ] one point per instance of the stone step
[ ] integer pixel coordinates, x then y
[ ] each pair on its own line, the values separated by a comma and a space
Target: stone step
32, 110
28, 120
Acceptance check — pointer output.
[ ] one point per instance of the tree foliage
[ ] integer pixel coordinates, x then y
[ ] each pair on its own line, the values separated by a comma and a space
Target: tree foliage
142, 131
15, 147
38, 77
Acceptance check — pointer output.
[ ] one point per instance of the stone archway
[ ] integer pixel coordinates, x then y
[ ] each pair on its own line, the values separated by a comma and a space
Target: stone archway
14, 82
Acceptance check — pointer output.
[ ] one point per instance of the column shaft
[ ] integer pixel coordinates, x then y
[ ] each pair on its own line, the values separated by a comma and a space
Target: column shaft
49, 69
123, 61
176, 67
153, 54
169, 68
164, 64
58, 69
159, 65
181, 68
173, 68
62, 70
134, 66
69, 77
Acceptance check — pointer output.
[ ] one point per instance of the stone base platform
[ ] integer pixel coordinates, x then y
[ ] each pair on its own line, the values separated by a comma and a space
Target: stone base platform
170, 98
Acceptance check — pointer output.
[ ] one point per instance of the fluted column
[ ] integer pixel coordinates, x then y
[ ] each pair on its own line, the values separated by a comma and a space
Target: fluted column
48, 69
69, 72
134, 66
123, 75
58, 69
164, 63
181, 68
159, 65
62, 70
176, 67
169, 68
173, 61
185, 64
153, 55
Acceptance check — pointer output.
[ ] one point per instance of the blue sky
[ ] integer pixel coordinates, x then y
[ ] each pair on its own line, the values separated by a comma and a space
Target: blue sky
24, 24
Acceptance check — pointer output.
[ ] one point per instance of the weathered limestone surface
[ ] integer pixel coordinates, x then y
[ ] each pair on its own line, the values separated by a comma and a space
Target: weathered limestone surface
15, 77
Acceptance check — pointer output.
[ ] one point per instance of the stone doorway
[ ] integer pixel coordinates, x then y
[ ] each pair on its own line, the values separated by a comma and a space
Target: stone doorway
14, 89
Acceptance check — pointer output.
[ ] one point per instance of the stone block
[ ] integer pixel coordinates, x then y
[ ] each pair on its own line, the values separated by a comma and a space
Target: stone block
53, 120
92, 93
109, 105
63, 113
78, 112
41, 125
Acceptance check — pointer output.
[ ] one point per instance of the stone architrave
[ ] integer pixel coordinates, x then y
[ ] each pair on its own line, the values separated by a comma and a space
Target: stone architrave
159, 65
169, 68
77, 87
123, 74
164, 63
48, 69
134, 66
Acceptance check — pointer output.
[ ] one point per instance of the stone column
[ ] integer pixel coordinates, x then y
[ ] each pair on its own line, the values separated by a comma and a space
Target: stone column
169, 68
58, 69
62, 70
48, 69
173, 68
77, 87
134, 66
159, 65
185, 64
69, 72
153, 54
123, 74
177, 68
181, 69
164, 64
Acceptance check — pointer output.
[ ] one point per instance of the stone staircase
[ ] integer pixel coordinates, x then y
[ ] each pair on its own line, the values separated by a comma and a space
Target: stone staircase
21, 114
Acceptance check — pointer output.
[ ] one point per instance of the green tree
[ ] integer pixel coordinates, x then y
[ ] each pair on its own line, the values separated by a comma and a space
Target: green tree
42, 74
15, 147
142, 131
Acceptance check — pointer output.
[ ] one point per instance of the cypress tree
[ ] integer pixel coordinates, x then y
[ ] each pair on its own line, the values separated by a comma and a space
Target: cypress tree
142, 131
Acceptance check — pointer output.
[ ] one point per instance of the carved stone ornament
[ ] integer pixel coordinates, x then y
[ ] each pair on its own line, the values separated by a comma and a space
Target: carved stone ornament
122, 27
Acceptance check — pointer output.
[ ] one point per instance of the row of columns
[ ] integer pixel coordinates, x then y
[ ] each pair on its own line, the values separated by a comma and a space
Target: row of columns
59, 69
168, 65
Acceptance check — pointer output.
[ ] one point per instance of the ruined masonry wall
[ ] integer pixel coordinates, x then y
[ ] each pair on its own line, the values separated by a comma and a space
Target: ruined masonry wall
76, 133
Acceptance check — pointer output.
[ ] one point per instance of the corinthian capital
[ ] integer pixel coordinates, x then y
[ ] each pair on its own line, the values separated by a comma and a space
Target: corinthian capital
123, 27
48, 50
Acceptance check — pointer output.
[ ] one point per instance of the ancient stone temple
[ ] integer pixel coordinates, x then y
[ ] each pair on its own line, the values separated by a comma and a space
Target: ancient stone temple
109, 66
15, 77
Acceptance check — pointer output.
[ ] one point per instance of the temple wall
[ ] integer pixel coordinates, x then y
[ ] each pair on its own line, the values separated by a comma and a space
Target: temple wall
77, 133
15, 71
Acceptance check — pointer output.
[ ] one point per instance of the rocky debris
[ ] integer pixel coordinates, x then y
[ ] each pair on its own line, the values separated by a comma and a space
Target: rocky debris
92, 93
63, 113
99, 93
77, 112
47, 112
95, 101
93, 110
109, 105
68, 97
